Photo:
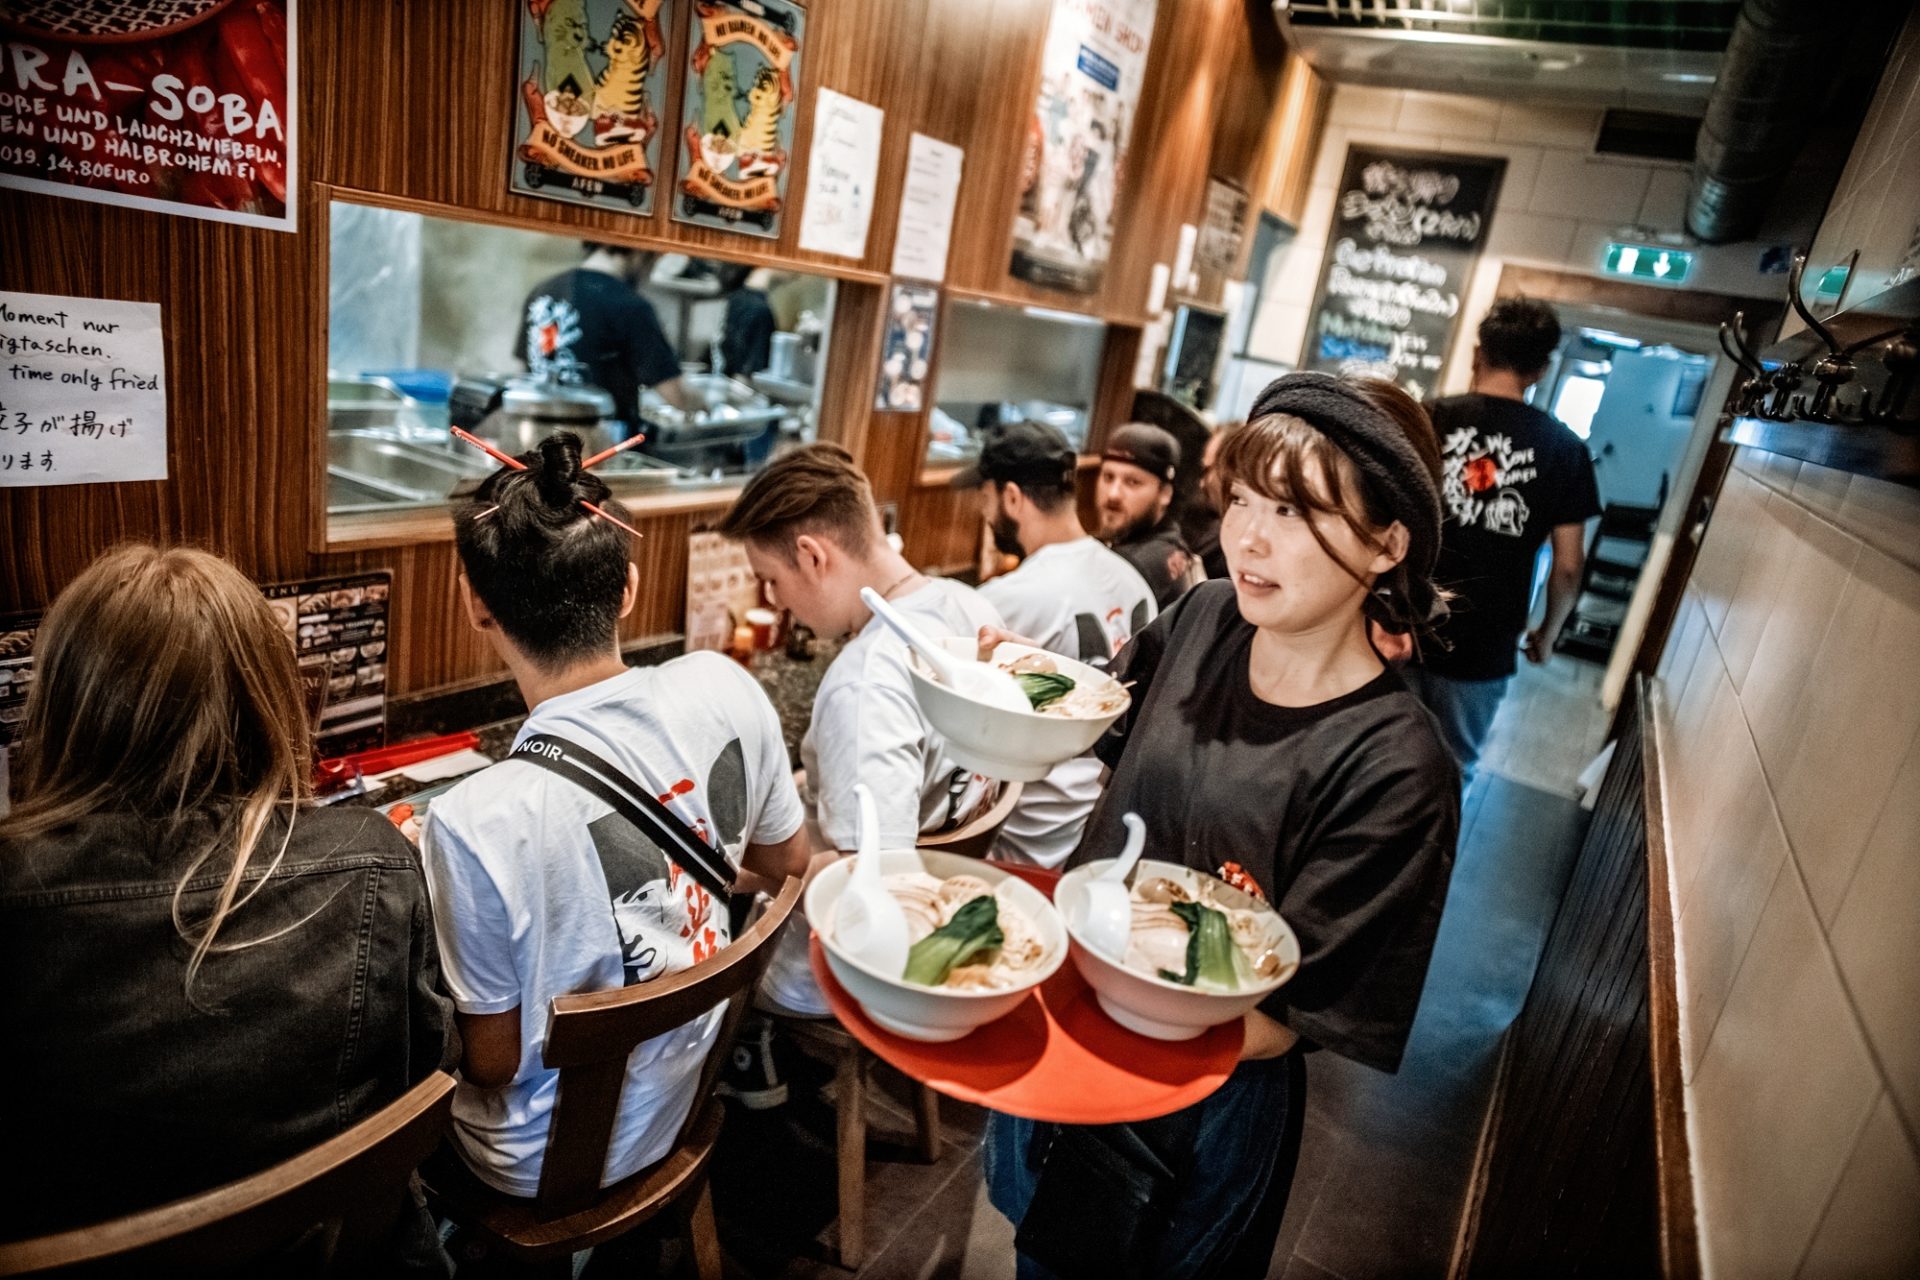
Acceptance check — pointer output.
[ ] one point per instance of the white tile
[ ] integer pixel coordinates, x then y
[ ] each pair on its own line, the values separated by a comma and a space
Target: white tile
1664, 207
1715, 794
1860, 711
1741, 854
1529, 237
1548, 126
1779, 1099
1772, 539
1516, 183
1777, 470
1821, 489
1812, 579
1355, 104
1279, 331
1453, 116
1572, 186
1717, 570
1871, 1230
1884, 515
1683, 642
1876, 937
1332, 156
1588, 252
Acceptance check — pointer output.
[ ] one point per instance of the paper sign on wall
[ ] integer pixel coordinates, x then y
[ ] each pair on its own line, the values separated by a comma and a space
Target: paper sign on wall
83, 396
841, 170
926, 209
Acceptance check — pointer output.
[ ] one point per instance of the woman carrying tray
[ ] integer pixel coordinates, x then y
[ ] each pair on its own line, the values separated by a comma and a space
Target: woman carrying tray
1268, 744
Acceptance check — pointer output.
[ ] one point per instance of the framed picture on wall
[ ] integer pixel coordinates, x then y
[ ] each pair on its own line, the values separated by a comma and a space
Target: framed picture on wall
736, 143
593, 88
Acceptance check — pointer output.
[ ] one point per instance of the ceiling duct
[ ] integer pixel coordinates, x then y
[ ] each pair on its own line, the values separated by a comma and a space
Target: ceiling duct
1780, 69
1659, 55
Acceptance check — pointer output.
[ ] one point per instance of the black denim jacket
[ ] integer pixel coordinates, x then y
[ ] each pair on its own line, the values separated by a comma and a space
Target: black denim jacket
127, 1093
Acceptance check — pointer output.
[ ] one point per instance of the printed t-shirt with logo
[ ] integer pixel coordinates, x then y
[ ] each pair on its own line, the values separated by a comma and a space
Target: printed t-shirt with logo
586, 326
540, 889
1510, 475
1083, 601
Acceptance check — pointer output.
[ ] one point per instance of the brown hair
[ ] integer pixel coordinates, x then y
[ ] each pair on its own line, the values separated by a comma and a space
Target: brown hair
813, 490
1288, 459
165, 687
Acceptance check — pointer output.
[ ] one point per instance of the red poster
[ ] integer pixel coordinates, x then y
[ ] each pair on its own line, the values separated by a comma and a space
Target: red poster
177, 106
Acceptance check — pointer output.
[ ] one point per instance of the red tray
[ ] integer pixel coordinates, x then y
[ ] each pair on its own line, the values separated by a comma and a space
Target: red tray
1057, 1057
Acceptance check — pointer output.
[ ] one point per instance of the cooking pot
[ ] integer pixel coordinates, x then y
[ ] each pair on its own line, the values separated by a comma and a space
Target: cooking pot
517, 413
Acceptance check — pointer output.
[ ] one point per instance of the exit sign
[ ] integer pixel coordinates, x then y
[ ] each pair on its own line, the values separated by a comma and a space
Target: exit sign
1649, 262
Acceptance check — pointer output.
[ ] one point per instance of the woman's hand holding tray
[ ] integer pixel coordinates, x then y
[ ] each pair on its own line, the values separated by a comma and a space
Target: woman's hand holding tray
1057, 1057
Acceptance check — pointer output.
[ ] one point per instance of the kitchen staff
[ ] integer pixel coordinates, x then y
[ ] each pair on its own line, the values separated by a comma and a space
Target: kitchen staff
1268, 744
590, 325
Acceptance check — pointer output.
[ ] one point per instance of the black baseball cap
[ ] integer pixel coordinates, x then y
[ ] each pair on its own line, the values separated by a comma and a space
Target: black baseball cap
1149, 448
1026, 453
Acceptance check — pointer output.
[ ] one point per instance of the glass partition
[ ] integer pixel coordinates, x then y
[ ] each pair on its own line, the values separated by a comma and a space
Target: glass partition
510, 334
1001, 364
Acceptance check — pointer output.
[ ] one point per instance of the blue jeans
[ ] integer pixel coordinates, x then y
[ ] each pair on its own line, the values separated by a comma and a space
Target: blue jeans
1228, 1213
1465, 709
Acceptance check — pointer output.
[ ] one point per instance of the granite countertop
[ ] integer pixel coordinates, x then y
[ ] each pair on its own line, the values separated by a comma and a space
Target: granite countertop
790, 686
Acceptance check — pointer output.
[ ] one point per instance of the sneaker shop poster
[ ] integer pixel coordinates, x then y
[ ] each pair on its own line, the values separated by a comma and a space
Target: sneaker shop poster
737, 117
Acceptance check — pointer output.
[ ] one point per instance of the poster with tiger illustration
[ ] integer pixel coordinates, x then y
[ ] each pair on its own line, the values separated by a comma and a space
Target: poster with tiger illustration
593, 87
736, 144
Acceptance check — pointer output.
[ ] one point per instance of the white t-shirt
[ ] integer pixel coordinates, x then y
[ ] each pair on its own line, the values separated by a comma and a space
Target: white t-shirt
867, 727
1080, 600
540, 889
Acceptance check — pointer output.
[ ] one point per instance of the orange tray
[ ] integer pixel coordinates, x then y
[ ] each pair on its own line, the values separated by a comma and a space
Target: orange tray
1057, 1057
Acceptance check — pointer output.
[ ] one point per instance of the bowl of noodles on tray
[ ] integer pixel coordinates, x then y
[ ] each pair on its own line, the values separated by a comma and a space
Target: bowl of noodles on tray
981, 939
1200, 952
1072, 705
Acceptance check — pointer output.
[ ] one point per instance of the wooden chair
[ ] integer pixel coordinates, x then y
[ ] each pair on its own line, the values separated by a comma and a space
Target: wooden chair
589, 1038
353, 1187
851, 1062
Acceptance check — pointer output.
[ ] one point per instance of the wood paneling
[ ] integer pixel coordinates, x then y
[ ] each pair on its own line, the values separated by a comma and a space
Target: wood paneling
411, 104
1568, 1182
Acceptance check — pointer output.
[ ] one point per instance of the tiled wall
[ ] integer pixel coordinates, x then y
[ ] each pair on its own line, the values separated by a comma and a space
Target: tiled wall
1559, 205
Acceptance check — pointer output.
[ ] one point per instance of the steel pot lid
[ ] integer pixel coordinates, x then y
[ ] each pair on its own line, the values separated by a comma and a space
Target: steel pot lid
551, 401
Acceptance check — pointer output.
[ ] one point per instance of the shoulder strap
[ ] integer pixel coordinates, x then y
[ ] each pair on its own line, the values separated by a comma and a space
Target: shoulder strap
706, 864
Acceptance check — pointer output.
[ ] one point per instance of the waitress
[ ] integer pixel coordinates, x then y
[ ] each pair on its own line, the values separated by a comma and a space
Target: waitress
1268, 744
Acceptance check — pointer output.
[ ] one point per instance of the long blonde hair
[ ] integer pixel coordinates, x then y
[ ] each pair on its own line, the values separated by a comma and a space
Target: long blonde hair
164, 687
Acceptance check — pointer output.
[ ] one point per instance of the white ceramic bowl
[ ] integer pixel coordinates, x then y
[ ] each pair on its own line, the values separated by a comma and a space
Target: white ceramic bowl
932, 1013
1152, 1005
1021, 746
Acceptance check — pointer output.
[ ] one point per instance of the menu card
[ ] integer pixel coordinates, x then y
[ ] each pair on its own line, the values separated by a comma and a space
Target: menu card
720, 589
926, 209
83, 396
339, 630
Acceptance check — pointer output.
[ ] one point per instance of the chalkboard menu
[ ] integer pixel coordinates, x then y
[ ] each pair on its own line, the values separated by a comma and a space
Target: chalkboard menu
1407, 228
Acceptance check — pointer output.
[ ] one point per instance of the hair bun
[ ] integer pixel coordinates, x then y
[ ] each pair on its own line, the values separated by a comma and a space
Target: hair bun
559, 468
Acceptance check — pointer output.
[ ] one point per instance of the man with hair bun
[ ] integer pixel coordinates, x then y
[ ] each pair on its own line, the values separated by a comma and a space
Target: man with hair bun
1512, 477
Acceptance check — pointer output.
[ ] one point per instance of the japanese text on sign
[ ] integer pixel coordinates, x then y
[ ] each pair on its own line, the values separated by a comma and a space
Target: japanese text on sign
82, 391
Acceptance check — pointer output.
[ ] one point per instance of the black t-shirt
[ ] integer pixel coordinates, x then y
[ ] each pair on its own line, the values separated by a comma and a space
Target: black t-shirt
591, 327
1510, 475
1162, 557
746, 332
1344, 814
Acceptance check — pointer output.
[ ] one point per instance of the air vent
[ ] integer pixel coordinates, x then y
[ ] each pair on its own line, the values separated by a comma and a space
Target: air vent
1647, 135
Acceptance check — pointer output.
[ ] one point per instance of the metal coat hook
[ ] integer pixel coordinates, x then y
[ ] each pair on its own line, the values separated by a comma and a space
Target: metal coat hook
1794, 277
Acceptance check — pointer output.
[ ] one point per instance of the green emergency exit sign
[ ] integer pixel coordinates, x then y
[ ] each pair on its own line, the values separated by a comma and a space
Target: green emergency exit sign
1649, 262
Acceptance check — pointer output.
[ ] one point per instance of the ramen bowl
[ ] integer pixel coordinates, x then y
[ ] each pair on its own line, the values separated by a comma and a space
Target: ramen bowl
934, 1014
1016, 746
1159, 1007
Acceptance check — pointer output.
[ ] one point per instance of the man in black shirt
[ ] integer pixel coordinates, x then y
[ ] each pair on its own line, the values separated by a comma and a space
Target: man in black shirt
1135, 496
1512, 477
589, 325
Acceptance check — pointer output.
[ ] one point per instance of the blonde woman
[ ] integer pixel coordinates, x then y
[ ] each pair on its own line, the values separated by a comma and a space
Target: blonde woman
203, 974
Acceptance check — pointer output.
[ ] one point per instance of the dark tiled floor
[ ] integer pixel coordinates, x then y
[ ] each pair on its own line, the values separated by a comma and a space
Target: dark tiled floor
1385, 1160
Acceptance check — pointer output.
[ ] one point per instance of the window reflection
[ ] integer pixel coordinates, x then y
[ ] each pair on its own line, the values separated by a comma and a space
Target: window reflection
511, 334
1003, 364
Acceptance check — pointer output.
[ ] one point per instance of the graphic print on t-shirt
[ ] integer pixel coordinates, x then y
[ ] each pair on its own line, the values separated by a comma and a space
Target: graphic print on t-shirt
553, 326
1102, 638
1480, 480
654, 903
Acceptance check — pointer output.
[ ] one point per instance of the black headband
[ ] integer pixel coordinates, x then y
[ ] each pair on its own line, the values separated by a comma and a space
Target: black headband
1384, 455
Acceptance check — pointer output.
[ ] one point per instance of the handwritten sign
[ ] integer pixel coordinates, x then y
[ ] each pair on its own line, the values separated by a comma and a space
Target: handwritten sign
185, 107
83, 396
844, 163
926, 209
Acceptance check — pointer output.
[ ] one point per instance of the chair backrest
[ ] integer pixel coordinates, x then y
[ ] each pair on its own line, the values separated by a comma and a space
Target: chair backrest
590, 1037
354, 1185
974, 838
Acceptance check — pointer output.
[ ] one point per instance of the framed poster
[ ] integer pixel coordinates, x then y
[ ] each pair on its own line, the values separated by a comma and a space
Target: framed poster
1091, 69
1407, 229
1218, 249
907, 349
737, 118
593, 86
185, 107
